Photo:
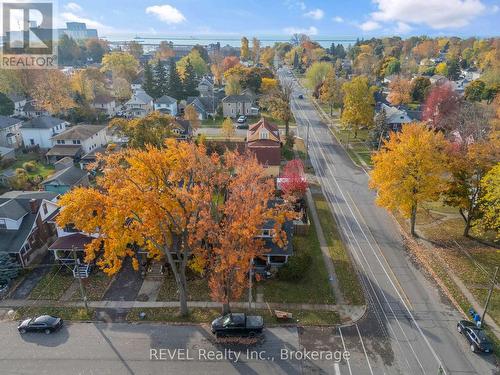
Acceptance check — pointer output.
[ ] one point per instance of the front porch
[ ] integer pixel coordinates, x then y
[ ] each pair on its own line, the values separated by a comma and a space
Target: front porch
70, 251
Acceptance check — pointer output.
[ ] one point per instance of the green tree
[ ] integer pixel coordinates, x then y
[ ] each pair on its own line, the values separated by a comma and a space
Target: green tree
420, 88
453, 69
474, 91
69, 53
359, 104
149, 83
278, 104
161, 79
331, 91
9, 268
316, 75
135, 49
227, 129
194, 58
244, 50
189, 81
174, 82
121, 64
6, 105
96, 49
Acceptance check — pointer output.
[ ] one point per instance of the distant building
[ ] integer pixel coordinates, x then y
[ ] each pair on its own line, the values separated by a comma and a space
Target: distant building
166, 104
78, 31
105, 104
40, 130
67, 175
74, 30
140, 105
395, 117
237, 105
263, 140
10, 135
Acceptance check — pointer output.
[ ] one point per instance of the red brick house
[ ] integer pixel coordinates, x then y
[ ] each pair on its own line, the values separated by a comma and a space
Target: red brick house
263, 140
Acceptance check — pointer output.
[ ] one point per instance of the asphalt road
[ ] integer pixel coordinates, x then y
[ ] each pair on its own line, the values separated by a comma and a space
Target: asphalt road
120, 348
410, 328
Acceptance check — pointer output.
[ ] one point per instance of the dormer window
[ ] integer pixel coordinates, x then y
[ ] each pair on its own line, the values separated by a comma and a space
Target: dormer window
266, 233
264, 134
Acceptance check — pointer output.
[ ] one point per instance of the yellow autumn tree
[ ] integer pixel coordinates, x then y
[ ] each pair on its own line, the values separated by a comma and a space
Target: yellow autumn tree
268, 84
358, 111
399, 91
192, 115
409, 170
227, 129
489, 203
51, 91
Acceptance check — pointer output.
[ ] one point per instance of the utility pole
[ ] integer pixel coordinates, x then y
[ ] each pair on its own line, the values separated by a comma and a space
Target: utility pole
82, 290
307, 138
493, 282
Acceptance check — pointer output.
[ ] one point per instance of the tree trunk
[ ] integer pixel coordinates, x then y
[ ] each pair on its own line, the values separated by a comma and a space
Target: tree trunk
183, 294
331, 110
286, 128
226, 308
413, 220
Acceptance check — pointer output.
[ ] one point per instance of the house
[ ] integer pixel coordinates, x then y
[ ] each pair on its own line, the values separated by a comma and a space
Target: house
10, 135
77, 141
237, 105
206, 106
30, 110
166, 104
70, 245
39, 131
276, 256
182, 128
206, 86
26, 229
140, 105
7, 153
438, 79
19, 102
6, 176
67, 175
395, 117
105, 104
136, 85
263, 140
471, 75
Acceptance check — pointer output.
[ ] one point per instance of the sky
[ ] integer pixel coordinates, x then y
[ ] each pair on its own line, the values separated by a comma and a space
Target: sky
332, 18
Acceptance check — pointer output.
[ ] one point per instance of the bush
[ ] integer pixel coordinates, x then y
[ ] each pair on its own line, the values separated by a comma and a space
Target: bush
29, 166
296, 267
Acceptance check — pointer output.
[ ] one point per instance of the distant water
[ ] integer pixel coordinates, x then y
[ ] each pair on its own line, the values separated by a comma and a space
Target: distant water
232, 40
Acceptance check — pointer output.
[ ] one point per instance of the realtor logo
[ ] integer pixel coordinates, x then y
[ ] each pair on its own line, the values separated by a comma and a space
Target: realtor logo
28, 35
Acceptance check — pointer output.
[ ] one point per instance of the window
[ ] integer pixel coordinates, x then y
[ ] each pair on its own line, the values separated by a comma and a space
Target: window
60, 141
76, 141
3, 224
266, 233
264, 134
45, 210
32, 142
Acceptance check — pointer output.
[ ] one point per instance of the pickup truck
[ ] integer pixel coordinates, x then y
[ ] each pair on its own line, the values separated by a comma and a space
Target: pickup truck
237, 324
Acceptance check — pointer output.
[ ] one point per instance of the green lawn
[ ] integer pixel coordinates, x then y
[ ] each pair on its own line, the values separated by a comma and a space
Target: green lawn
197, 289
347, 276
66, 313
53, 285
200, 315
95, 287
211, 123
312, 288
41, 169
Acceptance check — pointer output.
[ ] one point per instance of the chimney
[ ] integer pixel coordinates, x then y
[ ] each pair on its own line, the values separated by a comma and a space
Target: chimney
34, 206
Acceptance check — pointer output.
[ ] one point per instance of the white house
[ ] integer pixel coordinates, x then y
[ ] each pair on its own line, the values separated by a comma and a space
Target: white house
105, 104
206, 87
19, 103
10, 135
140, 105
166, 104
39, 130
89, 137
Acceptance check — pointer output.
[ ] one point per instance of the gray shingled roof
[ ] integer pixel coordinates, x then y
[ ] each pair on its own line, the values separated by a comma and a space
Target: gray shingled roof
42, 122
79, 132
6, 121
165, 99
66, 177
237, 98
11, 209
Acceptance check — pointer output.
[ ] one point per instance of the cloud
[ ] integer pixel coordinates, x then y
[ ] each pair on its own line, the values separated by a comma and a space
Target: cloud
315, 14
71, 17
402, 28
166, 13
369, 26
338, 19
292, 4
495, 8
73, 7
437, 14
297, 30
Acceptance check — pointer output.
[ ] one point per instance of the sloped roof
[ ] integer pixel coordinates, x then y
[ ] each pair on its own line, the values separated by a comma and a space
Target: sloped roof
11, 209
79, 132
43, 122
6, 121
64, 150
73, 241
103, 99
237, 98
16, 97
253, 133
139, 97
67, 177
395, 115
165, 99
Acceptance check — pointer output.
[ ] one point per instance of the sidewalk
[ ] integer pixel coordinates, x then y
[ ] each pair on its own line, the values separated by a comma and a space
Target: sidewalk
353, 313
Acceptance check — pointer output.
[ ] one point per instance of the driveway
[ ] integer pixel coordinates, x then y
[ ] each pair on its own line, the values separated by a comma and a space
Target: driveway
33, 278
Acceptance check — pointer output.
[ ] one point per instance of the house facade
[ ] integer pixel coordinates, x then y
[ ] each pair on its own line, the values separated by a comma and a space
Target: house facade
166, 104
206, 87
237, 105
263, 140
139, 105
26, 229
105, 104
66, 177
39, 131
19, 102
10, 134
395, 117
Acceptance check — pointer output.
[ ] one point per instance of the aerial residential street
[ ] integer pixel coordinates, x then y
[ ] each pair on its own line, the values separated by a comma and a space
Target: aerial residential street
405, 309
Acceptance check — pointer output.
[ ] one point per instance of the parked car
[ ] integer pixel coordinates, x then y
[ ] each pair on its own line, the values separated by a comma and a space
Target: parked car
237, 324
43, 323
475, 336
241, 119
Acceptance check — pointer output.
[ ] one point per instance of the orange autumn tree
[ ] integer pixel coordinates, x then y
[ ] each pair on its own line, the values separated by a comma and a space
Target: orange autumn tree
237, 219
400, 91
156, 199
